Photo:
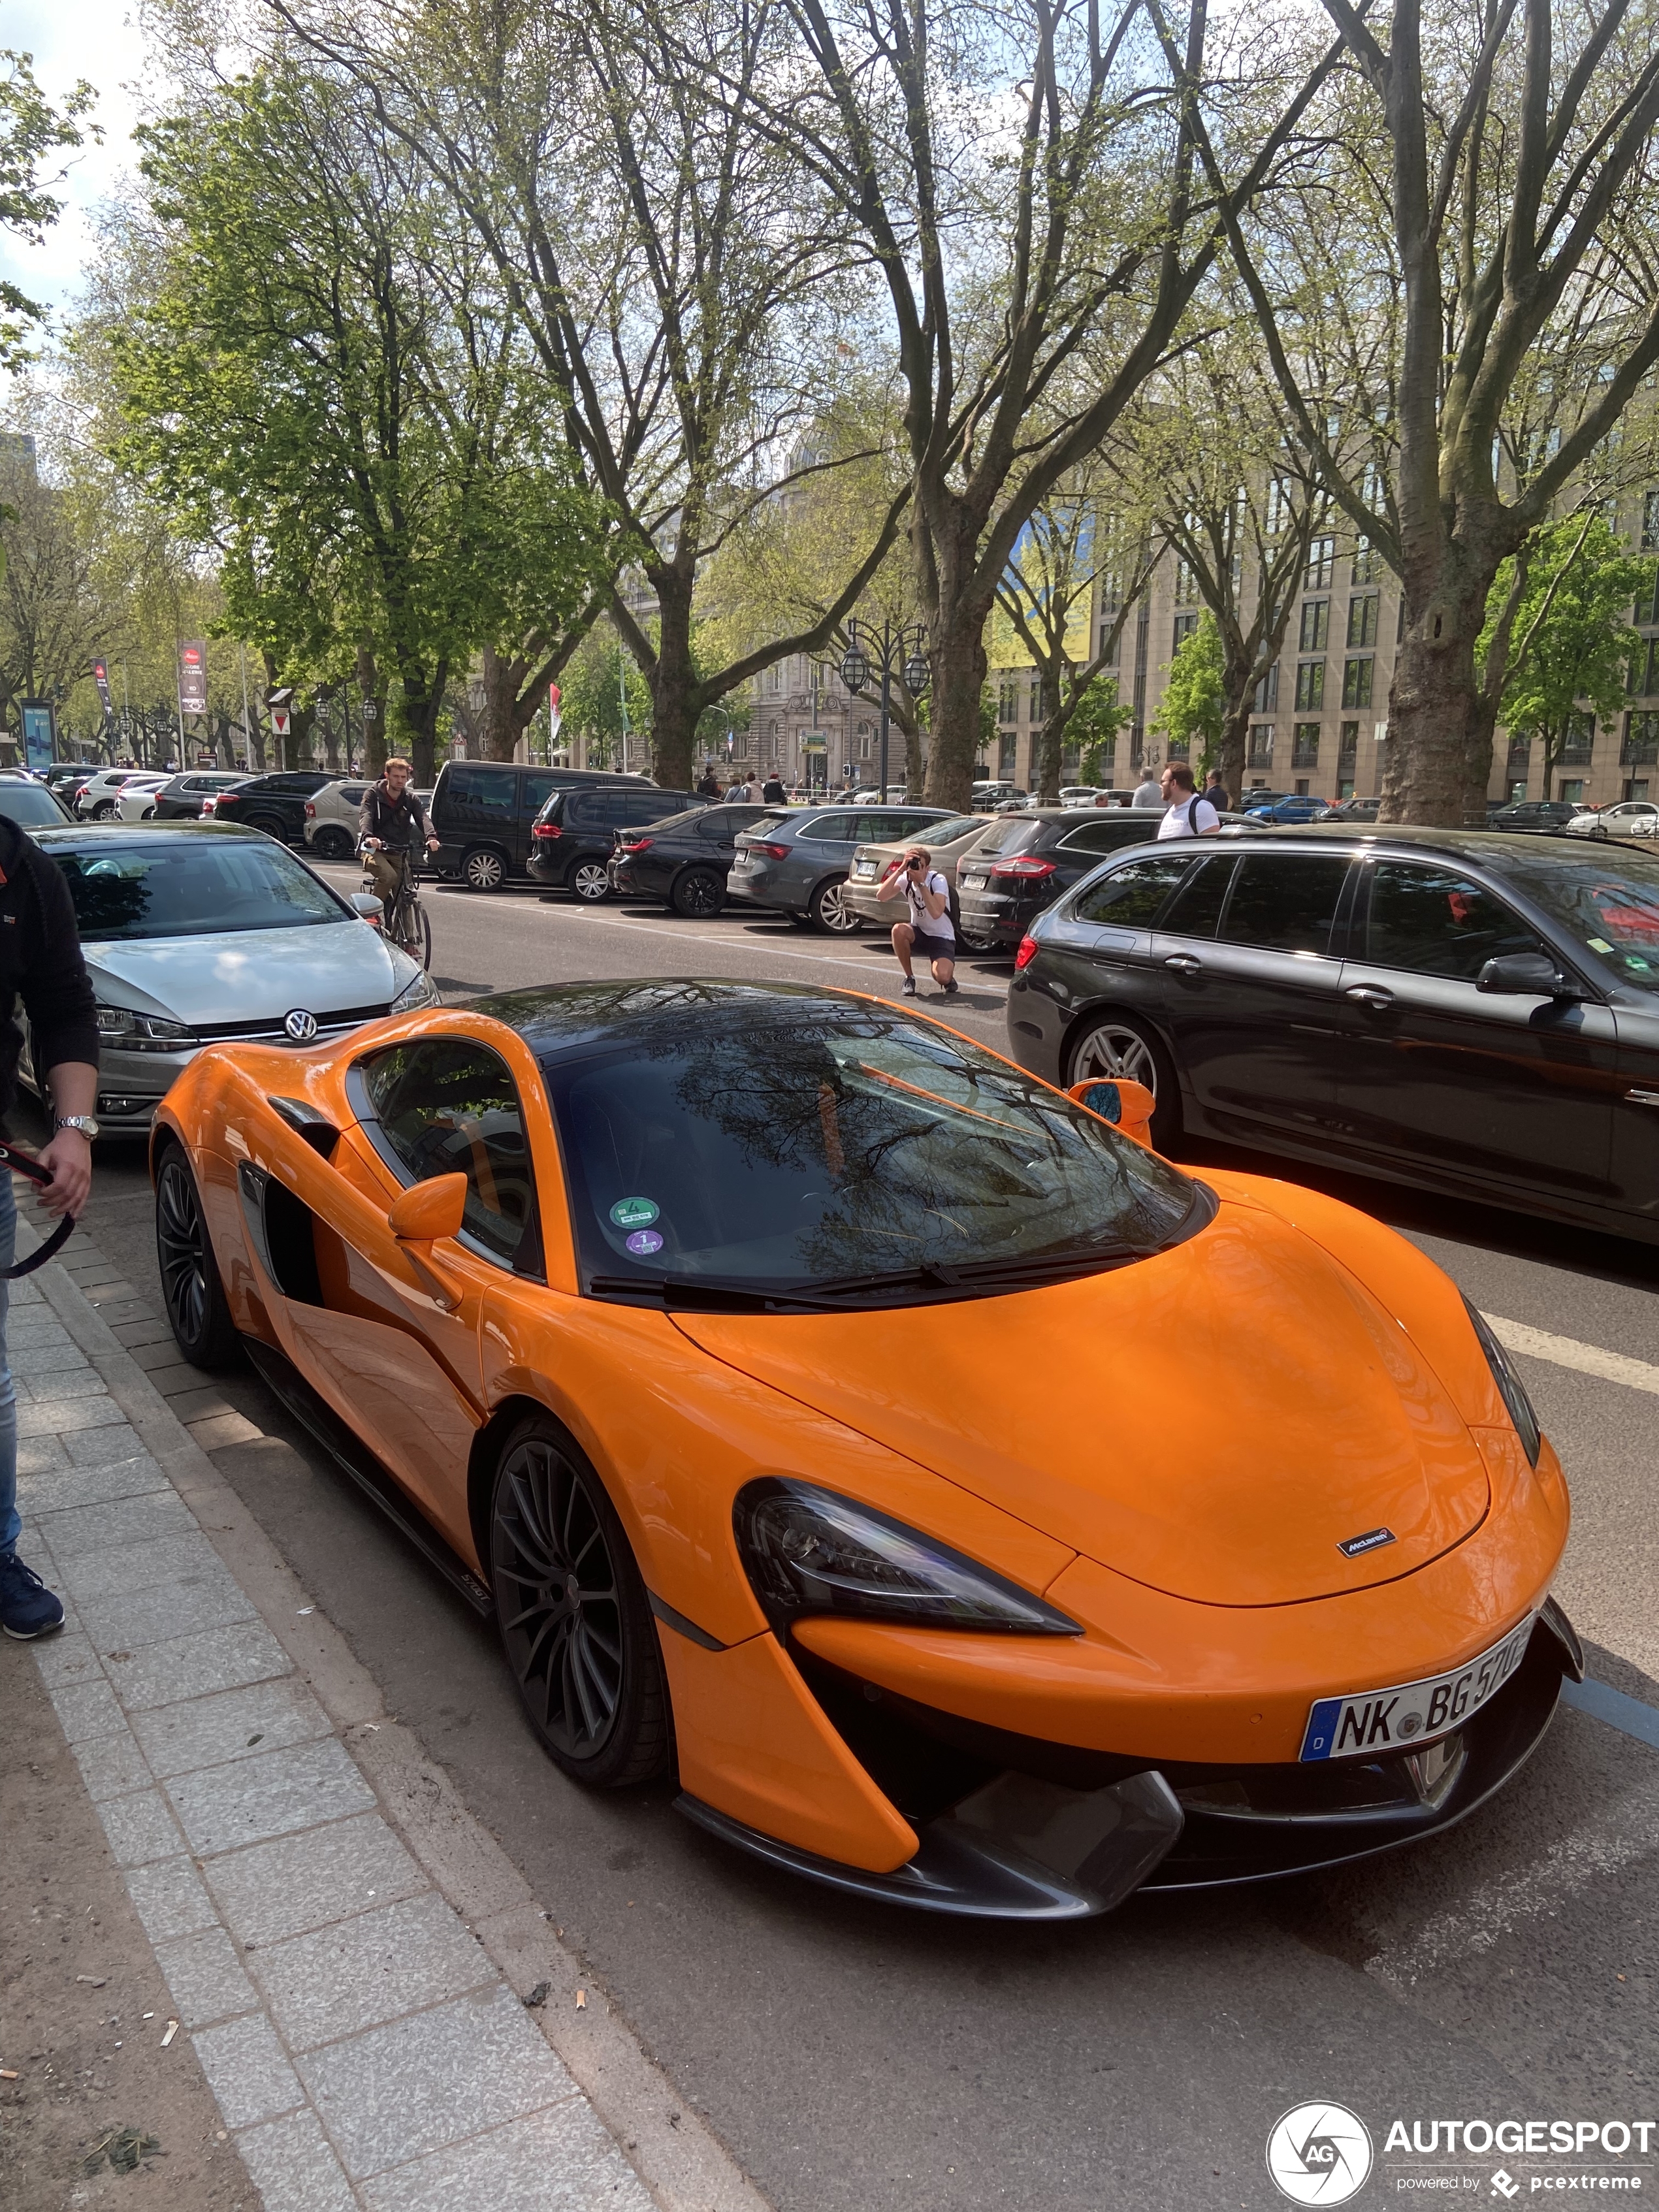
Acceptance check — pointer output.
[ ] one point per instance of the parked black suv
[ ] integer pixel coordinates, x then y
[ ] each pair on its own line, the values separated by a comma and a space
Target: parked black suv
483, 812
274, 803
1026, 860
683, 860
575, 832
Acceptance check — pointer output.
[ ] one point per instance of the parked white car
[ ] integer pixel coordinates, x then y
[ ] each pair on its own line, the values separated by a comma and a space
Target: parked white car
1080, 795
96, 800
1631, 817
332, 819
136, 800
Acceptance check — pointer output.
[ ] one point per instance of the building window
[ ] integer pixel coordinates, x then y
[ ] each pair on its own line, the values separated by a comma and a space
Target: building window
1362, 620
1521, 754
1260, 754
1310, 685
1186, 583
1641, 746
1345, 786
1316, 626
1636, 787
864, 742
1304, 745
1108, 644
1184, 626
1570, 788
1005, 757
1008, 700
1366, 563
1579, 743
1265, 697
1348, 743
1647, 599
1651, 523
1357, 682
1034, 694
1322, 561
1644, 668
1071, 759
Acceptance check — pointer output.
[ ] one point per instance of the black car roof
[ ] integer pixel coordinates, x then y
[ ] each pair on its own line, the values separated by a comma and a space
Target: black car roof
555, 1019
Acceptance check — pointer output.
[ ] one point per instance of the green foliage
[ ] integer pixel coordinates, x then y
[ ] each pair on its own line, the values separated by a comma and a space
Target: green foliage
596, 677
1194, 700
30, 129
1568, 636
1096, 721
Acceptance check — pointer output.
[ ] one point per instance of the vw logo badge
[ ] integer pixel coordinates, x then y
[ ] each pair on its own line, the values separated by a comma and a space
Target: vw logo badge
300, 1025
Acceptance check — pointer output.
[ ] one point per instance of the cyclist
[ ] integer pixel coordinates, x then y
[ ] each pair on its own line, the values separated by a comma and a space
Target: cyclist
391, 824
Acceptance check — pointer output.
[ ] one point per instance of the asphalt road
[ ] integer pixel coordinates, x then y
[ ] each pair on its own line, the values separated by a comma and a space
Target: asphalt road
856, 2058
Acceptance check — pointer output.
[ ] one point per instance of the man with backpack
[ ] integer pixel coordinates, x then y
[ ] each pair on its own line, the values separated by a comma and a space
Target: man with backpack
41, 965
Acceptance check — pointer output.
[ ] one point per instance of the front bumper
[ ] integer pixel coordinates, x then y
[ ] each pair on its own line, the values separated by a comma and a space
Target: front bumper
1016, 1828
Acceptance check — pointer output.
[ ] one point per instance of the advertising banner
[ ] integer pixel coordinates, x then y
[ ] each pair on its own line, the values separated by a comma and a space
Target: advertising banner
100, 677
192, 678
39, 733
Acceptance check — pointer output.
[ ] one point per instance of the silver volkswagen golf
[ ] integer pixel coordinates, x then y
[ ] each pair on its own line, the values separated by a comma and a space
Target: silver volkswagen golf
195, 932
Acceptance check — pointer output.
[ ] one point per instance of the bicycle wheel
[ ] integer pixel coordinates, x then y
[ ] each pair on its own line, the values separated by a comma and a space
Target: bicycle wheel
418, 944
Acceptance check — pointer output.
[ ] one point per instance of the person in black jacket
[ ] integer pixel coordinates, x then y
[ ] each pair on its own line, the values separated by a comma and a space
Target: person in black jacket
392, 820
40, 964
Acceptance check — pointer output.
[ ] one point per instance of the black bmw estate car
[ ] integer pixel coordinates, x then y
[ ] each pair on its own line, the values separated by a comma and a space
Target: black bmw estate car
1467, 1011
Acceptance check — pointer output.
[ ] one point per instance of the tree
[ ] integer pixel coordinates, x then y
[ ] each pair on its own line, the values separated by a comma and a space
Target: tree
601, 684
1037, 273
1096, 721
1193, 708
1499, 176
1557, 641
31, 130
323, 382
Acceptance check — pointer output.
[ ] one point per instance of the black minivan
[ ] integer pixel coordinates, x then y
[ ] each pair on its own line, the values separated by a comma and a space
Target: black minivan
483, 812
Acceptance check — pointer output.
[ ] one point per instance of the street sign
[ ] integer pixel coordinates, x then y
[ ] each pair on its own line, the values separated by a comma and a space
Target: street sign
280, 721
815, 741
40, 732
192, 678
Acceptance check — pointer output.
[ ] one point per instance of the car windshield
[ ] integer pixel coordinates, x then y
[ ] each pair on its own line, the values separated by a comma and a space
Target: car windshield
32, 805
193, 886
1609, 906
806, 1151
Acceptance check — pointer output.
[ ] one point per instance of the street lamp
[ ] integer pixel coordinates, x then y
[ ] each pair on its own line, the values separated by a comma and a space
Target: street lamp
894, 648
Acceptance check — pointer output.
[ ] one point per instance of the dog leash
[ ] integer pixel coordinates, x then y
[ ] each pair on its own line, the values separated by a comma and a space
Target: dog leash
25, 1164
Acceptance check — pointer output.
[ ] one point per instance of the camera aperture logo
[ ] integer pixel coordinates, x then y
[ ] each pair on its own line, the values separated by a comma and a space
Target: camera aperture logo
1319, 2154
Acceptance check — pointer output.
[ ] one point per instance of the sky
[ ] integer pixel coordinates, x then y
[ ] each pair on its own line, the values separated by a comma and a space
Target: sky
98, 40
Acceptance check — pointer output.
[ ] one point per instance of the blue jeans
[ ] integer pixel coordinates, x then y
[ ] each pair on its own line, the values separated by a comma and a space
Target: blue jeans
9, 1523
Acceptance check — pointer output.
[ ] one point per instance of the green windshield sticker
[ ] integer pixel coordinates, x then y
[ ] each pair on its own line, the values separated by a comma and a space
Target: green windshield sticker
635, 1212
1640, 966
1599, 944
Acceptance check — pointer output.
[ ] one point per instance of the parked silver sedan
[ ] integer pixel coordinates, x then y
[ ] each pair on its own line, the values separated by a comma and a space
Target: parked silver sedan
199, 932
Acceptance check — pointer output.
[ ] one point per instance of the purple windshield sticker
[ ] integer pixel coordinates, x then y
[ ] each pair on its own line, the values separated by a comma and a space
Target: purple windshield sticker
644, 1242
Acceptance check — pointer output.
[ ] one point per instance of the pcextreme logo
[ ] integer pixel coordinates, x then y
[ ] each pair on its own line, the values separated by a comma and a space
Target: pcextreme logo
1319, 2154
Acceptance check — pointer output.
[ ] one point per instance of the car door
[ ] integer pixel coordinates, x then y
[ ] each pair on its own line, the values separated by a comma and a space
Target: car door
1251, 962
1508, 1092
536, 788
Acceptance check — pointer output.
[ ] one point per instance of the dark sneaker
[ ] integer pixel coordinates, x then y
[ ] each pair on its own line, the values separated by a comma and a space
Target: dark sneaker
27, 1608
948, 990
907, 987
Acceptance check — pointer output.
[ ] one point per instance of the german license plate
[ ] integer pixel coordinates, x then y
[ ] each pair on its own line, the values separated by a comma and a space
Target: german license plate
1371, 1723
864, 869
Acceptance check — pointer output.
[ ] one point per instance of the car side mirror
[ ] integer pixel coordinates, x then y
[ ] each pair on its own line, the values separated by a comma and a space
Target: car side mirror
370, 907
1526, 976
1128, 1106
429, 1210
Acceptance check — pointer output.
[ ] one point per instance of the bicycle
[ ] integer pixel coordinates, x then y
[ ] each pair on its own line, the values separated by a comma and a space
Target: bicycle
404, 920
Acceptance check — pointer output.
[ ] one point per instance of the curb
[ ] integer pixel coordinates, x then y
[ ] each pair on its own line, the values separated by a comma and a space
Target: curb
675, 2152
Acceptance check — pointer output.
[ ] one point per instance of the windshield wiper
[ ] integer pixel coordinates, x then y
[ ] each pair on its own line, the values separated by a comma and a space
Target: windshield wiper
974, 1274
710, 1294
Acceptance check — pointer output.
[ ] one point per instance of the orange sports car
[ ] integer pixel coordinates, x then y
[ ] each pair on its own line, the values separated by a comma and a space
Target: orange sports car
978, 1511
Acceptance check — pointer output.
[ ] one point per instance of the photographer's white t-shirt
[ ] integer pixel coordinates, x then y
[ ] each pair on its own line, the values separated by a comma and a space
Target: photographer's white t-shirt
926, 924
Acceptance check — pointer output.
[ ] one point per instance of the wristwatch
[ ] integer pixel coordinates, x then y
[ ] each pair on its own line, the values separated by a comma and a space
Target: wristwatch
86, 1123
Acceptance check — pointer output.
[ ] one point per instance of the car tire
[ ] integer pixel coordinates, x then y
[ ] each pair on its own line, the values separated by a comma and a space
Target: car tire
484, 869
831, 911
197, 1310
590, 880
1111, 1044
270, 824
148, 815
332, 844
573, 1616
698, 893
103, 811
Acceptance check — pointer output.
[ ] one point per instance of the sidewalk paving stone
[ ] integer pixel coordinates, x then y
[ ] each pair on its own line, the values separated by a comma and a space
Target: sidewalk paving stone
230, 1724
74, 1531
337, 1981
171, 1899
139, 1827
60, 1417
268, 1794
86, 1708
424, 2082
179, 1556
66, 1658
132, 1617
557, 2161
277, 1889
98, 1447
112, 1766
206, 1978
61, 1488
179, 1666
246, 2070
294, 2170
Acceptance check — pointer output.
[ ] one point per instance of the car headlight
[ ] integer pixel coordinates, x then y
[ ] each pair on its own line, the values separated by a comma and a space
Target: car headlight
129, 1032
1504, 1374
419, 991
808, 1551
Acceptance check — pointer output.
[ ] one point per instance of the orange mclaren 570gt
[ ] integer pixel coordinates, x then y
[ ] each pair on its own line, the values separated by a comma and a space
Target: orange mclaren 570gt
977, 1511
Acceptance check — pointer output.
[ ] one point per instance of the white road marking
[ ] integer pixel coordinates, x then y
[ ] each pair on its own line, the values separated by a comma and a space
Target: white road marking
1567, 1351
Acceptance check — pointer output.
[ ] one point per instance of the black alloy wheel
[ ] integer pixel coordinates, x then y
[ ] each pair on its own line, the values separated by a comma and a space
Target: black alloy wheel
483, 869
591, 881
332, 844
698, 894
270, 824
575, 1619
195, 1297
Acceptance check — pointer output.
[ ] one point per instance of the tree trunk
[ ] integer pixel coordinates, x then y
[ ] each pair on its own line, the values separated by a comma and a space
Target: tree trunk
1440, 720
957, 660
915, 767
499, 728
675, 700
222, 744
1046, 751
